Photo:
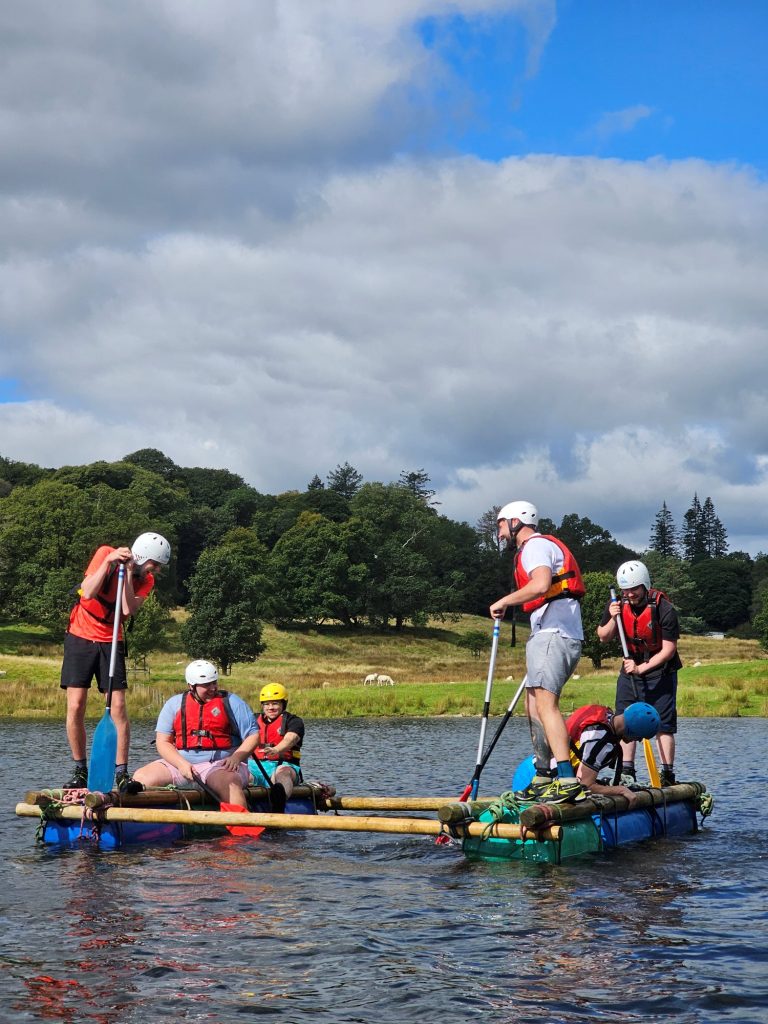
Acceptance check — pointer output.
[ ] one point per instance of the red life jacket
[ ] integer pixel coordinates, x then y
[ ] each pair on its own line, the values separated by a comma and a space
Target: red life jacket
643, 628
590, 714
581, 719
270, 734
209, 725
566, 583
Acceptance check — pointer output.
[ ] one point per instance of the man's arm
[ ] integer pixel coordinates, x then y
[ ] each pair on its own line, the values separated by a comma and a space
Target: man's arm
537, 586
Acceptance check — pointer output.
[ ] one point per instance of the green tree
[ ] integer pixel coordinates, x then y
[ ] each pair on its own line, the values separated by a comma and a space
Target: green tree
724, 588
598, 591
475, 641
673, 576
228, 599
486, 529
715, 534
345, 480
761, 622
417, 481
154, 461
322, 571
592, 546
147, 631
664, 533
695, 532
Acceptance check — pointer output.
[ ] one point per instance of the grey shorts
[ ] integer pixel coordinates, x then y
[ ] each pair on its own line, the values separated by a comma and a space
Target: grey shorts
550, 660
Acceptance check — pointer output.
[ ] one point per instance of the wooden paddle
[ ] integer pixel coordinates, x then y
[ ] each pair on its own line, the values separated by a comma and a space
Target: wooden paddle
101, 770
650, 760
254, 831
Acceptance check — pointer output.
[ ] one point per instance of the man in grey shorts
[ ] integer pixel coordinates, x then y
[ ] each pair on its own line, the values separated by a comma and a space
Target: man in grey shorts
548, 585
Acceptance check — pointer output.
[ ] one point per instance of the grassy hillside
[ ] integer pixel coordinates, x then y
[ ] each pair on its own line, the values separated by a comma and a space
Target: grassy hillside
324, 669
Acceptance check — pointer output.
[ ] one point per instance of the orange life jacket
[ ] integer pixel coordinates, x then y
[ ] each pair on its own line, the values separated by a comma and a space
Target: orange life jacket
209, 725
566, 583
270, 734
643, 628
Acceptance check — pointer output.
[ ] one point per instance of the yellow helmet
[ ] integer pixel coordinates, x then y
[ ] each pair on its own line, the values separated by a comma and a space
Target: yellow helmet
273, 691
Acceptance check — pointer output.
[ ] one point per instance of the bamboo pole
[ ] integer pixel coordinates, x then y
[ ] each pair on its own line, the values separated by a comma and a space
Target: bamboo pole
539, 815
334, 823
160, 797
396, 803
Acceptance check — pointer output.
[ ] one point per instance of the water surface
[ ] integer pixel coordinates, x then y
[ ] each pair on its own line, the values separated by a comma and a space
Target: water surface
338, 927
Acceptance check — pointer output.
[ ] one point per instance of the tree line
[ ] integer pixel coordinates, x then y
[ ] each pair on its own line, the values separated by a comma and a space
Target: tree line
342, 549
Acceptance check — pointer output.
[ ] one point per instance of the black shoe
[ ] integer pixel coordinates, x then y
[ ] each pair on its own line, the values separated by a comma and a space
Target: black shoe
79, 779
563, 791
667, 777
277, 799
125, 785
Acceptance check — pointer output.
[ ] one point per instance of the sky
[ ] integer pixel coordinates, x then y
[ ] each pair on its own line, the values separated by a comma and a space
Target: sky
519, 244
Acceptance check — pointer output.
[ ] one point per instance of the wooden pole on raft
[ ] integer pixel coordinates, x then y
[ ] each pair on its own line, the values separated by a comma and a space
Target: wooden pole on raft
396, 803
160, 797
539, 815
312, 822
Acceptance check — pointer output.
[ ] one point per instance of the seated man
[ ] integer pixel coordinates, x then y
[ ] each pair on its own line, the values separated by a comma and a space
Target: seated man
595, 735
203, 734
279, 745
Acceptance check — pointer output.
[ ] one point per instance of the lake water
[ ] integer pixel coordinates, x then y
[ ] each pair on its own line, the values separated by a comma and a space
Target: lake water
330, 928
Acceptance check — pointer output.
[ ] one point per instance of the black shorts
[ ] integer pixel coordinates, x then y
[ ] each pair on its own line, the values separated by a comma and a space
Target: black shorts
658, 690
85, 660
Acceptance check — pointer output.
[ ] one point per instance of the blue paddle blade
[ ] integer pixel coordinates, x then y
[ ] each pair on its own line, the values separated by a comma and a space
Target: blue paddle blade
101, 770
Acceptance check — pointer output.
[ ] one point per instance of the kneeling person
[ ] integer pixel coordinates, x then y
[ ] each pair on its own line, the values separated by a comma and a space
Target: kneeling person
279, 748
204, 733
596, 734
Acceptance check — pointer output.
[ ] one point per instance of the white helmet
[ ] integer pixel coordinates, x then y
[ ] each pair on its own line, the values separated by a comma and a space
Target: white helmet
633, 574
198, 673
522, 510
151, 546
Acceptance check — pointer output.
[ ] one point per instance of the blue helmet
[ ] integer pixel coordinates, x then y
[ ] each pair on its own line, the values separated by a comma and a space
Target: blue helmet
641, 721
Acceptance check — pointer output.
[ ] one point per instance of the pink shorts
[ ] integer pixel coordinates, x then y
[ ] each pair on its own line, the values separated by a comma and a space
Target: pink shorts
204, 769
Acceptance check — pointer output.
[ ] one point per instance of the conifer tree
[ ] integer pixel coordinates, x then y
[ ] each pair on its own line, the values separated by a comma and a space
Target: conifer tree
694, 532
345, 480
664, 533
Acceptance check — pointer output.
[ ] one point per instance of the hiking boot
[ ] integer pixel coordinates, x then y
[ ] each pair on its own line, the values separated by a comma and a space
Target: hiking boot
563, 791
667, 777
535, 787
79, 779
124, 784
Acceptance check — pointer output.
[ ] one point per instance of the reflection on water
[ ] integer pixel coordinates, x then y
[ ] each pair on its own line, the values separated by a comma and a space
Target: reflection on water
327, 927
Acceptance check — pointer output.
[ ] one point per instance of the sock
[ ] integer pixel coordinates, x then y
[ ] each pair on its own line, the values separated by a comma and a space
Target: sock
668, 768
121, 768
565, 770
81, 762
628, 768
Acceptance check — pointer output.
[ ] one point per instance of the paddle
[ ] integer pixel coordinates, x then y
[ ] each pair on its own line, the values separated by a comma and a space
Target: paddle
474, 782
101, 770
254, 831
650, 760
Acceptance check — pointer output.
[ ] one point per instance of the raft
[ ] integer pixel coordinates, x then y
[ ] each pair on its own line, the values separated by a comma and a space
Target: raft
113, 820
490, 828
594, 825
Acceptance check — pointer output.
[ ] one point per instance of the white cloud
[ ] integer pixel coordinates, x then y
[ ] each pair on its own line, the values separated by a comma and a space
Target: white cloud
219, 256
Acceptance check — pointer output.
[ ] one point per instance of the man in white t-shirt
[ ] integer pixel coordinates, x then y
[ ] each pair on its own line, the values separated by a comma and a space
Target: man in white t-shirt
549, 586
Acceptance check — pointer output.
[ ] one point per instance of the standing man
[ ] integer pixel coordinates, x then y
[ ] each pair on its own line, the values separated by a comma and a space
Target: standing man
88, 642
202, 734
549, 586
649, 673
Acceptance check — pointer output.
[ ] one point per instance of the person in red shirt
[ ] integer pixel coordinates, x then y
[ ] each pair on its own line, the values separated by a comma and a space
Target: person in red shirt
88, 642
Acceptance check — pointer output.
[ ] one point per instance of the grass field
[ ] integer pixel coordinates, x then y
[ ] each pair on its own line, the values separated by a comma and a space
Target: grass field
324, 669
